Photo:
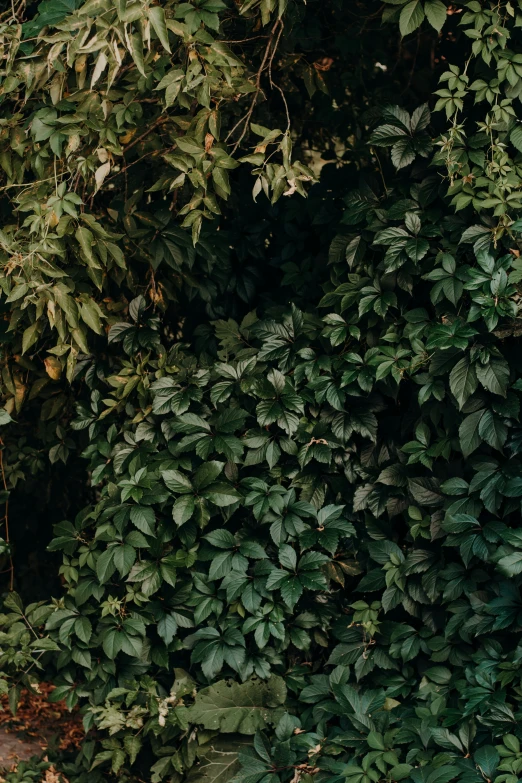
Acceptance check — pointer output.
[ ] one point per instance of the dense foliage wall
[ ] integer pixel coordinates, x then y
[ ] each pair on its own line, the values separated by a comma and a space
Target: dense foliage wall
261, 373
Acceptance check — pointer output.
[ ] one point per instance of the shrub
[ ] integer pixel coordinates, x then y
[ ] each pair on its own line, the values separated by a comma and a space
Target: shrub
300, 557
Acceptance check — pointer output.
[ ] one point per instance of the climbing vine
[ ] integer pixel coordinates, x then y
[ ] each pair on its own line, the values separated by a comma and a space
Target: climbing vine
261, 285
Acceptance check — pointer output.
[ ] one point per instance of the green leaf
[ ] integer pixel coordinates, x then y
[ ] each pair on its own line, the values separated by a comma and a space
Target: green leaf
412, 16
132, 745
487, 759
83, 629
469, 435
416, 248
183, 509
515, 137
5, 418
223, 539
375, 741
425, 491
455, 486
157, 20
494, 376
144, 519
137, 53
355, 251
167, 628
30, 336
231, 707
168, 569
403, 152
105, 566
124, 558
512, 743
291, 590
177, 481
85, 239
221, 494
221, 565
463, 381
218, 760
401, 771
91, 315
207, 473
387, 135
492, 430
436, 13
112, 642
131, 645
511, 565
15, 692
288, 557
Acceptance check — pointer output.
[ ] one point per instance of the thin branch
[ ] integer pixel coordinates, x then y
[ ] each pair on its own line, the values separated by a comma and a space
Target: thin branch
26, 184
272, 83
245, 120
6, 518
154, 125
138, 160
288, 121
274, 50
246, 40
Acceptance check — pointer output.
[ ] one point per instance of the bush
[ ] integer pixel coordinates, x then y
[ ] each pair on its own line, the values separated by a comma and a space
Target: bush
296, 556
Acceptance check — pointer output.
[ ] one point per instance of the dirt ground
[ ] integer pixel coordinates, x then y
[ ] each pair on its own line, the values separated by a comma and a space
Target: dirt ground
37, 725
15, 748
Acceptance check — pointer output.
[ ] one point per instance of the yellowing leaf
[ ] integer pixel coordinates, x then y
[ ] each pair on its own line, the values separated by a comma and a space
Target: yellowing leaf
100, 174
53, 367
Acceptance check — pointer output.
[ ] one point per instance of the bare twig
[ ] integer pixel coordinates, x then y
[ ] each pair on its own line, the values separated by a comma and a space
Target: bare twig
154, 125
138, 160
272, 84
17, 10
412, 70
288, 121
264, 64
274, 50
6, 518
246, 40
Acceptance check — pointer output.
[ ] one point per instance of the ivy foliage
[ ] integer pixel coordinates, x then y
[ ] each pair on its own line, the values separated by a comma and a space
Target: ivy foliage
300, 558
